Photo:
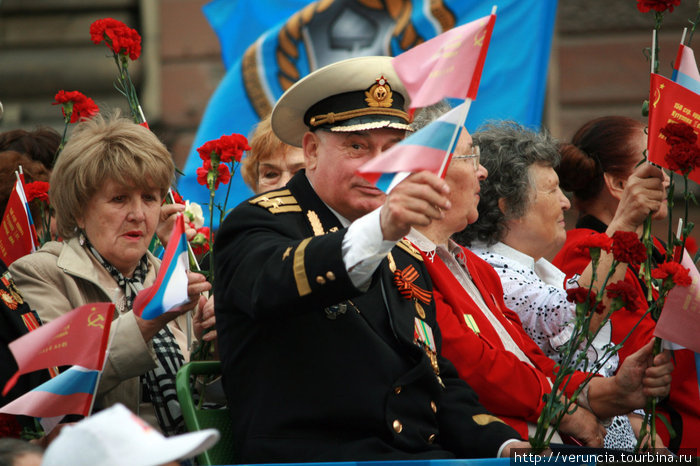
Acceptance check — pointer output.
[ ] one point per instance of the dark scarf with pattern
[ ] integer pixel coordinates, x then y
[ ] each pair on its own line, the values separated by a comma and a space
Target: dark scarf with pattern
158, 384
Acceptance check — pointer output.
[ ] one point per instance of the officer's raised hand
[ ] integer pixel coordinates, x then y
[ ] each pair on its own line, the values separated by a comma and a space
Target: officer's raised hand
416, 201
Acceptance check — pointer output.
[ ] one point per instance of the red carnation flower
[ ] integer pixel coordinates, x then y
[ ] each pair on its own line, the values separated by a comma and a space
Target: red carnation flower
177, 198
580, 295
202, 173
595, 241
672, 272
627, 248
683, 157
222, 175
37, 190
232, 147
9, 426
657, 5
206, 149
200, 241
119, 37
625, 293
677, 133
75, 103
228, 148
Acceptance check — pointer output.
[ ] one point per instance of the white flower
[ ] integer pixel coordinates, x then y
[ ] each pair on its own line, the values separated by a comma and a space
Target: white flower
194, 213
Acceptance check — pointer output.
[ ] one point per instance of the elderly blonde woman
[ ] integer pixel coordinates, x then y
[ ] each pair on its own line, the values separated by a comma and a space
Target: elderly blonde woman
270, 163
107, 187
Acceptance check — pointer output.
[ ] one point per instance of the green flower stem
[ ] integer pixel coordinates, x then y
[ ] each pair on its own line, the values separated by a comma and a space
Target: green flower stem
645, 270
671, 235
694, 24
66, 121
203, 352
555, 409
686, 198
557, 405
126, 87
649, 421
212, 192
222, 210
645, 275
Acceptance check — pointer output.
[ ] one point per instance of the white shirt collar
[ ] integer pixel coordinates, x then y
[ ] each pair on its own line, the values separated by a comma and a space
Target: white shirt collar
513, 254
427, 246
421, 241
544, 269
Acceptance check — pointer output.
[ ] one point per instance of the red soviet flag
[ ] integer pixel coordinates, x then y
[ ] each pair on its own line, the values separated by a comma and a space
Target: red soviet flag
670, 102
448, 65
17, 234
76, 338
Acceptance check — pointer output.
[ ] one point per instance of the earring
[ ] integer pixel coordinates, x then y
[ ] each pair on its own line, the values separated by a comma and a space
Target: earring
81, 238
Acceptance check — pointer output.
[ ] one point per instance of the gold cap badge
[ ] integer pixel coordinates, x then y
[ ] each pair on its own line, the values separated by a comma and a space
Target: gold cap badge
379, 95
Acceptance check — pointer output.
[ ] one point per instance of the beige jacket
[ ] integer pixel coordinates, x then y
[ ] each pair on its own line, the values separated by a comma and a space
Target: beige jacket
62, 276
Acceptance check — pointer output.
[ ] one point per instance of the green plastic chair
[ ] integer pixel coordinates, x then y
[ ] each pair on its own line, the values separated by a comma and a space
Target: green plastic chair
197, 418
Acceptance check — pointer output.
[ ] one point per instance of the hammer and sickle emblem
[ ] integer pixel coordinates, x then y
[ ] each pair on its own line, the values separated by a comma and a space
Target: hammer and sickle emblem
657, 97
96, 320
479, 39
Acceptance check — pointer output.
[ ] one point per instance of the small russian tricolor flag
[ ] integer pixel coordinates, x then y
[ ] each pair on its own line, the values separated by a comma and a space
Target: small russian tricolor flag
685, 69
70, 392
170, 288
426, 149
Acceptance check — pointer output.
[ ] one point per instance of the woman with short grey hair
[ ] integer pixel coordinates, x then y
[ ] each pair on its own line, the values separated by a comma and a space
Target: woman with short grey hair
508, 151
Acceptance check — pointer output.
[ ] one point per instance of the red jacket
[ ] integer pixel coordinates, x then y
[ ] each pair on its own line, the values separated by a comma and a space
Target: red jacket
508, 387
683, 404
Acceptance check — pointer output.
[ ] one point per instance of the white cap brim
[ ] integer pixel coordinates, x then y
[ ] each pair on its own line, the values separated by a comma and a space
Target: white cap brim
175, 448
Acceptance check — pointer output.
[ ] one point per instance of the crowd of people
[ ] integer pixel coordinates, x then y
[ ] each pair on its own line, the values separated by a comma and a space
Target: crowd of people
352, 324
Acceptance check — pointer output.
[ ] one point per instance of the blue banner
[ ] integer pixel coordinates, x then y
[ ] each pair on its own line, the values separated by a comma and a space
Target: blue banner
267, 45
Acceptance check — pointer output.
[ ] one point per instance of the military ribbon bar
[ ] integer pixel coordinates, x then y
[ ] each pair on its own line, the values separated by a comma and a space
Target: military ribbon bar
404, 282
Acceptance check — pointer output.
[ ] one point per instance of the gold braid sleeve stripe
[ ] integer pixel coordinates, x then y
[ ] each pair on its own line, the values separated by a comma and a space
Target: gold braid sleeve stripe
483, 419
300, 277
331, 117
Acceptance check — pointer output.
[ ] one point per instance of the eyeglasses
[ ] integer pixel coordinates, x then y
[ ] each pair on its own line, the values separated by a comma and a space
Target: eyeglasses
475, 156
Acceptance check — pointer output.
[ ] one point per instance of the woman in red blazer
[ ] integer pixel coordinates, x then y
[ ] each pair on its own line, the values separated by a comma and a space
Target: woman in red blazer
598, 166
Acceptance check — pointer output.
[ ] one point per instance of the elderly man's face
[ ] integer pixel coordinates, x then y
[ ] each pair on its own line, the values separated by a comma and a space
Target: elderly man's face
331, 162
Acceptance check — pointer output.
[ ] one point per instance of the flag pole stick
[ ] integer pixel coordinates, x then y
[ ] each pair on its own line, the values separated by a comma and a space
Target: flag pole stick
23, 196
455, 134
190, 251
193, 264
104, 362
685, 30
463, 118
653, 49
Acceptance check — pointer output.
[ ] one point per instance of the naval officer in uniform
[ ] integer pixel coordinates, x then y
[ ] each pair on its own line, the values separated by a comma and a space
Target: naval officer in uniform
325, 315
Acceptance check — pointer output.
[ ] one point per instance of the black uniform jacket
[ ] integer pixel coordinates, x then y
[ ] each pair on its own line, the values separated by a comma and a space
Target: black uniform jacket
318, 370
16, 319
